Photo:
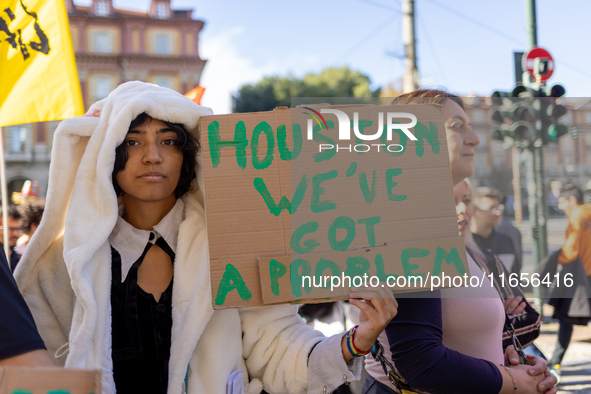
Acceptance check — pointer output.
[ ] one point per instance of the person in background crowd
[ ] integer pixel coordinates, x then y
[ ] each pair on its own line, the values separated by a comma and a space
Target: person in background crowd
487, 216
20, 343
577, 245
507, 228
14, 232
464, 195
32, 212
524, 318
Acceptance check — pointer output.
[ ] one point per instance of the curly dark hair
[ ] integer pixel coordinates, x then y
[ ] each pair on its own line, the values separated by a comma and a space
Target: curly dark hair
186, 143
13, 212
31, 213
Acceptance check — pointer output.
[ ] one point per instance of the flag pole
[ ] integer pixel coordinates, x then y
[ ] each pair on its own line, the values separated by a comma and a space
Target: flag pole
4, 198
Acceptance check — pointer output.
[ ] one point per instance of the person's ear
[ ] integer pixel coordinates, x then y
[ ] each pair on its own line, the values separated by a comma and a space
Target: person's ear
573, 200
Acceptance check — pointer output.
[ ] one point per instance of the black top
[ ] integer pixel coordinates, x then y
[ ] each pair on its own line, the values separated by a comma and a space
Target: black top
14, 257
499, 244
416, 341
18, 333
141, 329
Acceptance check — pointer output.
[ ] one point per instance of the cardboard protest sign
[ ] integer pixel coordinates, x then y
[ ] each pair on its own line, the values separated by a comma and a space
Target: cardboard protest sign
22, 380
326, 190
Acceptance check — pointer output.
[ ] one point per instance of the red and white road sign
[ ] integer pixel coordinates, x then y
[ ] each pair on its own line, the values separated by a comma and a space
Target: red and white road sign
529, 59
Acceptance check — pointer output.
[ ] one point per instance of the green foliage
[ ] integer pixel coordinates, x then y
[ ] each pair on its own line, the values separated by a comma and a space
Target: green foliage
275, 91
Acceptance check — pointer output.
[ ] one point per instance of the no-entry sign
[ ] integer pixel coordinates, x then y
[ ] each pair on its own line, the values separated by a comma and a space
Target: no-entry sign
546, 67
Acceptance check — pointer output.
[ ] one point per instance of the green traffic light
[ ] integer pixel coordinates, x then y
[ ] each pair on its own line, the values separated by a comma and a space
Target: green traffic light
555, 131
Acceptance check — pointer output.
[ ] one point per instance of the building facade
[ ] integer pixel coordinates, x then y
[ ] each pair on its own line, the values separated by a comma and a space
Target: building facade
112, 46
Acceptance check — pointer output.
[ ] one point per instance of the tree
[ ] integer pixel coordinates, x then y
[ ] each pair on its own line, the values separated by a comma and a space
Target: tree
393, 89
275, 91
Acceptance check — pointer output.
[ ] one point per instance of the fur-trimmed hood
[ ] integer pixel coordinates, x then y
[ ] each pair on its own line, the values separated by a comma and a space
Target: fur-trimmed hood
81, 204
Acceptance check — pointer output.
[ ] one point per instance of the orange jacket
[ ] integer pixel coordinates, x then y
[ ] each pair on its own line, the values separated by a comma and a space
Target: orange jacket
578, 238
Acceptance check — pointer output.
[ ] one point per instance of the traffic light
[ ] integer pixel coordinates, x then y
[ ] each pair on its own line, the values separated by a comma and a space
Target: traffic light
548, 114
555, 91
512, 119
526, 115
498, 95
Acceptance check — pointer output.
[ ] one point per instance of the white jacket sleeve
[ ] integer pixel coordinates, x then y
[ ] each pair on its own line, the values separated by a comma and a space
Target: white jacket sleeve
50, 298
277, 347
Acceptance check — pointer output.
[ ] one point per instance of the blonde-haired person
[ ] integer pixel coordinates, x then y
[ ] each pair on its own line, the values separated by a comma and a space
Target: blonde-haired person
464, 197
522, 315
117, 275
450, 341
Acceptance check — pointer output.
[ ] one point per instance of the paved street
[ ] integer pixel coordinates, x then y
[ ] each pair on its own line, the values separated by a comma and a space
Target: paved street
576, 371
576, 367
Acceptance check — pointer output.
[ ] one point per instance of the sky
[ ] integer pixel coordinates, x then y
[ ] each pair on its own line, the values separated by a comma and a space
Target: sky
465, 46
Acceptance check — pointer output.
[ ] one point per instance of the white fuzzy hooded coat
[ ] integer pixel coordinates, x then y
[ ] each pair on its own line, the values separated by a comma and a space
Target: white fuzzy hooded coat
65, 273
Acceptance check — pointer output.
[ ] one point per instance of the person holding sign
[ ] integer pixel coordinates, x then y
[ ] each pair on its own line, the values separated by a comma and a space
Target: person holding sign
450, 341
122, 281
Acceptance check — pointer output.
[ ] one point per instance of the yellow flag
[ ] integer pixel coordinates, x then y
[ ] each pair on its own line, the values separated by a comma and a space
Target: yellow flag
38, 76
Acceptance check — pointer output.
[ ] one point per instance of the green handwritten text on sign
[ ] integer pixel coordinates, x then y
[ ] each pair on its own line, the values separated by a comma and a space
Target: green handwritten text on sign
276, 270
273, 164
232, 280
450, 258
216, 143
284, 203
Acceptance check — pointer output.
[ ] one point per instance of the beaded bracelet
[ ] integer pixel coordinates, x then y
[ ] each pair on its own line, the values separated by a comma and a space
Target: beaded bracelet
351, 345
510, 374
